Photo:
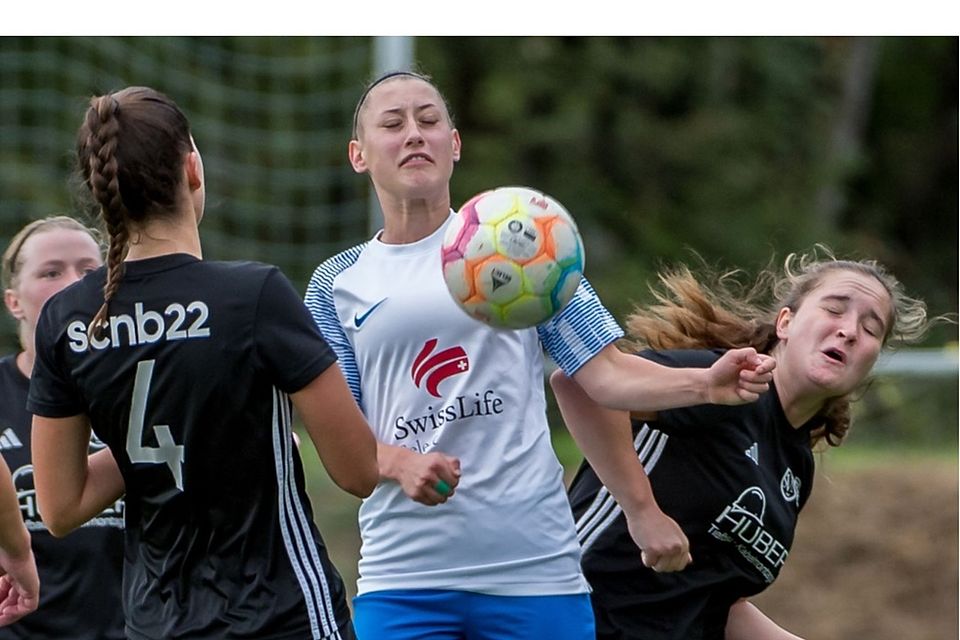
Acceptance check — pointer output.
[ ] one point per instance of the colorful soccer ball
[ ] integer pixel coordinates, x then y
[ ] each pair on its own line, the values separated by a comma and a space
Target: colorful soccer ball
512, 257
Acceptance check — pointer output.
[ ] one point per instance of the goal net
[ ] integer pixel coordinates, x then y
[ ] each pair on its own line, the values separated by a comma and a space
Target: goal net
271, 117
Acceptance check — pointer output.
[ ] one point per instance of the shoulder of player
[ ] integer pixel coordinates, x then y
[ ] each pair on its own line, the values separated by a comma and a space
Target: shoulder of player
239, 267
8, 361
328, 270
10, 376
238, 272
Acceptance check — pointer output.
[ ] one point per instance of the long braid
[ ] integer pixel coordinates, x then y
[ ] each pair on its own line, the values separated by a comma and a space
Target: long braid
104, 183
130, 153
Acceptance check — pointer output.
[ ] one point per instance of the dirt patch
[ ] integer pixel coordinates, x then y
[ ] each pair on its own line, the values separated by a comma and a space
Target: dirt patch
875, 556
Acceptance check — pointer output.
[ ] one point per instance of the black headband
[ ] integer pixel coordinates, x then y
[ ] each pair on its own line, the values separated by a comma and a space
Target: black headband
381, 80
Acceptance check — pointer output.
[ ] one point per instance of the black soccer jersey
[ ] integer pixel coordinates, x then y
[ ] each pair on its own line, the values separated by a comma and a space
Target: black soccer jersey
188, 387
734, 479
80, 575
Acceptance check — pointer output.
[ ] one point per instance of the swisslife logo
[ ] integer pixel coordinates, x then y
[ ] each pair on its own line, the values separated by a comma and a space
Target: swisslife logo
420, 431
430, 369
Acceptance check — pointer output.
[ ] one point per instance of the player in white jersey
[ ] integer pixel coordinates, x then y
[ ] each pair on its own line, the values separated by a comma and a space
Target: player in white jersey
189, 370
458, 408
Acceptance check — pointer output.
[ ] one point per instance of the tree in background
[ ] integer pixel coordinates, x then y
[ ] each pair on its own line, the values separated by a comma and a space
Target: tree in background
732, 147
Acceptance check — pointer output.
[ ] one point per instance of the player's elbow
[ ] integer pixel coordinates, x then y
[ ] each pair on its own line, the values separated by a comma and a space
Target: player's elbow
360, 480
588, 378
58, 522
597, 385
559, 380
361, 487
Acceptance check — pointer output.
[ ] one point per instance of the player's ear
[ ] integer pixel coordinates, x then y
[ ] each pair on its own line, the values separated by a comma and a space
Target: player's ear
783, 322
193, 166
355, 153
456, 145
12, 300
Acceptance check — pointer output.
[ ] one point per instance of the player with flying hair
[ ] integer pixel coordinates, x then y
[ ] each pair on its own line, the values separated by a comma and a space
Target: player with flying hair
189, 371
733, 478
81, 574
487, 547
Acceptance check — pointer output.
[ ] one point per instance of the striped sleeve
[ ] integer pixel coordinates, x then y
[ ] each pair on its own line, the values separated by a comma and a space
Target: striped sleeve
580, 331
319, 300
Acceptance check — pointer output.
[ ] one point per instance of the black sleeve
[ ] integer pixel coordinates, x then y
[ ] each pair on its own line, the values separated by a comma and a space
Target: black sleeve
53, 393
286, 339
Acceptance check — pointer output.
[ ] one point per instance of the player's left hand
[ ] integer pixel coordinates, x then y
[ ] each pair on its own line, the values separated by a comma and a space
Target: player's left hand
739, 376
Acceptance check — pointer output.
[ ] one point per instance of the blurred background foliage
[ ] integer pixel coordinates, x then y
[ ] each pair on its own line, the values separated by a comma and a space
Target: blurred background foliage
738, 149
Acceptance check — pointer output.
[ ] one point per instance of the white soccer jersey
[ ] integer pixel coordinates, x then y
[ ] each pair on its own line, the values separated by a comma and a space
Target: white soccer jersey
430, 378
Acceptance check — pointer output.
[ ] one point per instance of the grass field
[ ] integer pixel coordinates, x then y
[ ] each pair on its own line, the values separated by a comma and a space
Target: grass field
875, 554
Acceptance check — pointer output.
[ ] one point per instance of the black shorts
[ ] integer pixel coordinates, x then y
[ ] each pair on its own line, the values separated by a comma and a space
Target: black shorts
690, 619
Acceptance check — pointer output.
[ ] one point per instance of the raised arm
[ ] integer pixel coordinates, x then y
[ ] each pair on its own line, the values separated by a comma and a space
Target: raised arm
19, 584
623, 381
71, 485
604, 437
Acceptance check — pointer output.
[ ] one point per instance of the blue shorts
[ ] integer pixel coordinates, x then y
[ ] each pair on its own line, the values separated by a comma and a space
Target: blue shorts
427, 614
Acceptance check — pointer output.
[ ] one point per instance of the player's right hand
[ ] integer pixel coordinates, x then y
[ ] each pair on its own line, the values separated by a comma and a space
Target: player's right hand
739, 376
19, 587
430, 478
663, 545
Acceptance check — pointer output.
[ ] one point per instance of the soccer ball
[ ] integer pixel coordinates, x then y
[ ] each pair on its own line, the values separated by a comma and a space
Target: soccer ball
512, 257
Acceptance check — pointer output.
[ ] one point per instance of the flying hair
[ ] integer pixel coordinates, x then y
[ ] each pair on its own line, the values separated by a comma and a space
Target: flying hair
723, 309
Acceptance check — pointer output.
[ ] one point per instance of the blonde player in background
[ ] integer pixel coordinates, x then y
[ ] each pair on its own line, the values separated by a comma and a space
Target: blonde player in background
82, 575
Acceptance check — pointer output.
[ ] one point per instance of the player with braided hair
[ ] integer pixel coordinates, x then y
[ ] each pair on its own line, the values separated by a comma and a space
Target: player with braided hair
189, 370
733, 479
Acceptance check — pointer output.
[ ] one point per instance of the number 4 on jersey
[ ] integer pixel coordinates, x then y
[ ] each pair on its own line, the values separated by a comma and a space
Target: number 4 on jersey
168, 452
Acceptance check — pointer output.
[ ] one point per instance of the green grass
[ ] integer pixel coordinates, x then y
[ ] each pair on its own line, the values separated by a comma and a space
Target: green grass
860, 456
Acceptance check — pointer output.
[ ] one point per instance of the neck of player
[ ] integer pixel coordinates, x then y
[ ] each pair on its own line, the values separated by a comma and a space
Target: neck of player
407, 220
164, 236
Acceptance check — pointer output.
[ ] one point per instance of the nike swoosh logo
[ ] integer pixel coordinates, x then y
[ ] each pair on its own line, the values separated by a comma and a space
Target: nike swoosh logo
360, 319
